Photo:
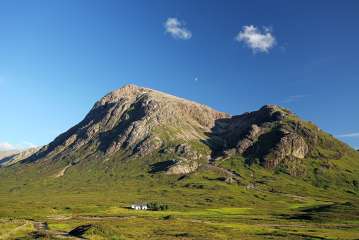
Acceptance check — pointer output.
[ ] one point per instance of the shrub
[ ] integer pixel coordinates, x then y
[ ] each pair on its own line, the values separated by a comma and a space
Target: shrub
154, 206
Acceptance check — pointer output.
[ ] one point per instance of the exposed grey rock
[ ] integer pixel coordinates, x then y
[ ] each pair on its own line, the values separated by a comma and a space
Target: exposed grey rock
248, 140
183, 167
290, 145
135, 120
185, 150
148, 146
241, 131
265, 135
13, 157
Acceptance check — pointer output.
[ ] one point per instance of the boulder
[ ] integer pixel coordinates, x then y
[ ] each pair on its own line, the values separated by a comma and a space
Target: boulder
183, 167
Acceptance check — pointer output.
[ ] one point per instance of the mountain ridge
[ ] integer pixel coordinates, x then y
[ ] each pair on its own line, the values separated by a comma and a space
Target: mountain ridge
139, 122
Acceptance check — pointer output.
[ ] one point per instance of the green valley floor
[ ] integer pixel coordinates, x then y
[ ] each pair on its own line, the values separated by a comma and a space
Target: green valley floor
303, 218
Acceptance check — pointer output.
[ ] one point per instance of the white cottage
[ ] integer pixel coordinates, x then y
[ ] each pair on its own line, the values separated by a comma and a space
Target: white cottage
139, 206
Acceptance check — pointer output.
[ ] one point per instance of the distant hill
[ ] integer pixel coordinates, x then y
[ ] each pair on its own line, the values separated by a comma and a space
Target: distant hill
8, 158
6, 153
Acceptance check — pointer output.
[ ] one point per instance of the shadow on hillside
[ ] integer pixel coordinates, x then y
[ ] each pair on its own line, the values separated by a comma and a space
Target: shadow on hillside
215, 140
224, 136
324, 212
161, 166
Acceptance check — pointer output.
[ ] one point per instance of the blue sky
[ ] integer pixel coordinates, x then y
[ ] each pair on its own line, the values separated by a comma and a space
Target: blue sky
58, 57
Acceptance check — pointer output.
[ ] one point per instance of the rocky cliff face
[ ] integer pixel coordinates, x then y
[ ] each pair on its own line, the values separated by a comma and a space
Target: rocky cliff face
136, 120
275, 137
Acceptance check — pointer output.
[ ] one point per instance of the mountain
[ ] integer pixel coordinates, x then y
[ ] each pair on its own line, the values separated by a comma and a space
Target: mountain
138, 122
8, 158
138, 144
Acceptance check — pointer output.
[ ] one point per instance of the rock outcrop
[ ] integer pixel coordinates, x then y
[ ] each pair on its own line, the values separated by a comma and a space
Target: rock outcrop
272, 134
291, 145
183, 167
244, 144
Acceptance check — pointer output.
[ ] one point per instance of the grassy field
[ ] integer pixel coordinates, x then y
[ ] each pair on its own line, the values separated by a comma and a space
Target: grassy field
219, 223
201, 205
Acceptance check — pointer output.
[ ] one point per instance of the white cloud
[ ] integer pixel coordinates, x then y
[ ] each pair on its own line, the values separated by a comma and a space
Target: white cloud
4, 146
349, 135
258, 41
177, 29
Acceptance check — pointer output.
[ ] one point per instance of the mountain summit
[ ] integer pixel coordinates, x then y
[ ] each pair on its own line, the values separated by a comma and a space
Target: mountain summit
136, 120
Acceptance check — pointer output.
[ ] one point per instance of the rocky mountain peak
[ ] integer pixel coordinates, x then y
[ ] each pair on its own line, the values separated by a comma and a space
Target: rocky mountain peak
272, 108
136, 120
273, 112
128, 91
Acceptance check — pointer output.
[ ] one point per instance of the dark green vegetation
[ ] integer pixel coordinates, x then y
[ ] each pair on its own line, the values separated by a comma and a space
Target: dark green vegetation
261, 175
154, 206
